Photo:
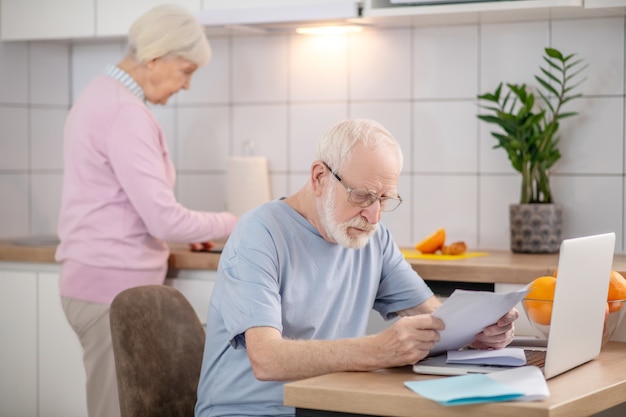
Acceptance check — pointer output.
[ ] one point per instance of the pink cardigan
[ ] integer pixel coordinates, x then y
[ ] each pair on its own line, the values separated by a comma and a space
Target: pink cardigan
118, 207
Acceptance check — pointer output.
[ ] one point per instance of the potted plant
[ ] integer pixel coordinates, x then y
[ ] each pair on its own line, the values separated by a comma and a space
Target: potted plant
528, 134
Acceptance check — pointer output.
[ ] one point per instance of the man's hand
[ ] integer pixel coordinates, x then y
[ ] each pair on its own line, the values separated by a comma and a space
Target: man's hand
408, 340
497, 335
274, 358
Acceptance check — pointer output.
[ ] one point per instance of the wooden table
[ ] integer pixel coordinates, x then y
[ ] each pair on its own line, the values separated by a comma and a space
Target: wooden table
588, 389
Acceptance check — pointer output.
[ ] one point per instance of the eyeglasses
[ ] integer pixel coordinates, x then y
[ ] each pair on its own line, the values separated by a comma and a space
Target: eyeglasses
364, 198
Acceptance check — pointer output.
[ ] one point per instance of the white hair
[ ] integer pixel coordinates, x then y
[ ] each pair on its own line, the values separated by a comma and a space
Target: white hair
168, 30
336, 145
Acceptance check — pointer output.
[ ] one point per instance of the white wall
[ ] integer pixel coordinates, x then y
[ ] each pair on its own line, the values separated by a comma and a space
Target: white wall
282, 91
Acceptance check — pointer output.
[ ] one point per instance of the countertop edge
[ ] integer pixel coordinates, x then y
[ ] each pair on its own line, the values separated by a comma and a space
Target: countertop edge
497, 267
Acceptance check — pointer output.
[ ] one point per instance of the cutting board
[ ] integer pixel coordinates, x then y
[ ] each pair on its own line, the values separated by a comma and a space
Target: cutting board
415, 254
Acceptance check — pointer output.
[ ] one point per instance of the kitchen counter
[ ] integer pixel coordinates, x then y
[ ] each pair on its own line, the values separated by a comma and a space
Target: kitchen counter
180, 255
496, 267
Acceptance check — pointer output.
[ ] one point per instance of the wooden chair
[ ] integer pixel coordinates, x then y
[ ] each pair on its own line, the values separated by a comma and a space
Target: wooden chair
158, 343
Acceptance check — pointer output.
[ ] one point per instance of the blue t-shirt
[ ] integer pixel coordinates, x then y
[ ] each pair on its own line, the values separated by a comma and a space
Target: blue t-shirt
276, 270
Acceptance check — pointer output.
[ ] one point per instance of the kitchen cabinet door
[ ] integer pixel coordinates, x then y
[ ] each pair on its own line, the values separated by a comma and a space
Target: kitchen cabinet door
47, 19
197, 289
217, 4
61, 373
18, 327
114, 17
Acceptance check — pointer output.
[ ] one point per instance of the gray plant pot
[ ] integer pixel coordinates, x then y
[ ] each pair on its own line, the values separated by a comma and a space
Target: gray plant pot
536, 228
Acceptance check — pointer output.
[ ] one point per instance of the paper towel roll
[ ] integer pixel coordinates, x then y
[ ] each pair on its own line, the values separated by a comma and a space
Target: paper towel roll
248, 183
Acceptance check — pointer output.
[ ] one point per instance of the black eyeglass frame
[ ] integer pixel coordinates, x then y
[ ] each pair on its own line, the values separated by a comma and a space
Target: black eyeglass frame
372, 197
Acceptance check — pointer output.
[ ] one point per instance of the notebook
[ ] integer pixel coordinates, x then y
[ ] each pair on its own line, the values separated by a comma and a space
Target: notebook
578, 310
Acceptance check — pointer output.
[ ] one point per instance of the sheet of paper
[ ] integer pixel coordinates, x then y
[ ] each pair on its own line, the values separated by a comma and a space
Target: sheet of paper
525, 383
507, 357
467, 313
465, 389
528, 379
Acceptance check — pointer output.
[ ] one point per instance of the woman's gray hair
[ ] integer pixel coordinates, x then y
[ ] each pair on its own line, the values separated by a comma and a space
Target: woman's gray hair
168, 30
336, 145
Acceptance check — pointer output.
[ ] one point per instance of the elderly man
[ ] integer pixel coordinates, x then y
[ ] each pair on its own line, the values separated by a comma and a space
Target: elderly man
299, 276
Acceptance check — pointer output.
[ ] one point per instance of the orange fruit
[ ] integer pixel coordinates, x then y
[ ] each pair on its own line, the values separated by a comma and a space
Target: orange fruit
614, 305
555, 272
617, 291
617, 287
539, 311
433, 242
538, 302
542, 288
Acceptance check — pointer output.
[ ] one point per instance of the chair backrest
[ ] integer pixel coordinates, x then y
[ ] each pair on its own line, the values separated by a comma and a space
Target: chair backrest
158, 343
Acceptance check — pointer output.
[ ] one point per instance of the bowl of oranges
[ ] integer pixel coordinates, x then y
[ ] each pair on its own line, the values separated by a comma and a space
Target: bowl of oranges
537, 304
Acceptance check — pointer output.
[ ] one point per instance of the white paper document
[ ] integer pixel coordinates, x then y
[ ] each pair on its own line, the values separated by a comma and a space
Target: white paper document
527, 379
505, 357
467, 313
525, 383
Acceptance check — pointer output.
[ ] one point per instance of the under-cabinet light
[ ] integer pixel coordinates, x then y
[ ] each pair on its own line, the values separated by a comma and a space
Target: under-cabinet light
329, 30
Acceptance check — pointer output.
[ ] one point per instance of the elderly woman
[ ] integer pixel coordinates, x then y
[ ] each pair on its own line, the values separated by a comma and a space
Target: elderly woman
118, 207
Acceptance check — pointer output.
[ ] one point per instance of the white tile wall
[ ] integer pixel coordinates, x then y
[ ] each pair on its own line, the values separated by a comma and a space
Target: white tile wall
262, 130
211, 84
13, 138
282, 91
307, 122
380, 65
260, 69
443, 67
14, 210
318, 68
396, 117
49, 74
13, 73
444, 137
46, 138
203, 135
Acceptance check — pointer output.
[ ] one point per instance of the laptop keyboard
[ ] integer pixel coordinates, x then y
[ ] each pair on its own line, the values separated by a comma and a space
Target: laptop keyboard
535, 357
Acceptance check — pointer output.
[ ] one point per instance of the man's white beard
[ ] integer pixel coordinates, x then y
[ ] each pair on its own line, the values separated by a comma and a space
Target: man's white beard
339, 232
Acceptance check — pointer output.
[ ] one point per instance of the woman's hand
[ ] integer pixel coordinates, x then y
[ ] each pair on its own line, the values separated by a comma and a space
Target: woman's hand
202, 246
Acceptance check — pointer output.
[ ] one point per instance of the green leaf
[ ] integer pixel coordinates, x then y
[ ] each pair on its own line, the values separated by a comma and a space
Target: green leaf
547, 86
554, 53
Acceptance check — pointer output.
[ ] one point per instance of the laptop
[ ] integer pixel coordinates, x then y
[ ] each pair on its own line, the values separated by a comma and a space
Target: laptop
578, 310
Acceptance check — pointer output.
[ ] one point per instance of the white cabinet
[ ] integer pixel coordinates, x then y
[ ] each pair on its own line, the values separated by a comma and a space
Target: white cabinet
227, 4
196, 286
114, 17
42, 370
246, 12
46, 19
18, 327
74, 19
387, 8
41, 367
80, 19
386, 13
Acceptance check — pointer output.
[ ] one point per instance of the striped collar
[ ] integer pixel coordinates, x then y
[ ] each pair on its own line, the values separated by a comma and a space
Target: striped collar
126, 80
